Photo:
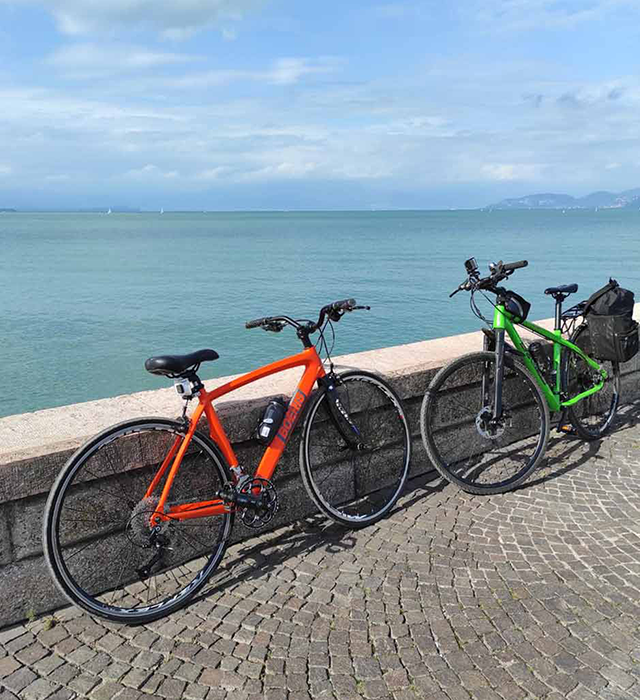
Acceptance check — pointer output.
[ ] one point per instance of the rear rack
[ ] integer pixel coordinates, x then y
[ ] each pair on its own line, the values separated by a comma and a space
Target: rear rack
570, 317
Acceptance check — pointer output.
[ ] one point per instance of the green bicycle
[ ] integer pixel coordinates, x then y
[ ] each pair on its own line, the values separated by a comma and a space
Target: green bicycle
485, 417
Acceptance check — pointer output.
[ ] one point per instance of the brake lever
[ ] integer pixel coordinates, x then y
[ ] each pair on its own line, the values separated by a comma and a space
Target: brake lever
461, 288
356, 308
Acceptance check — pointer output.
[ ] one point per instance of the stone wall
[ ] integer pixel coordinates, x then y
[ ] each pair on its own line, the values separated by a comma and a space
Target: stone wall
34, 447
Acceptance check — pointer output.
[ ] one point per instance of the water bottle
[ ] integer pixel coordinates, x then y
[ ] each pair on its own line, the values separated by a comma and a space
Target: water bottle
271, 421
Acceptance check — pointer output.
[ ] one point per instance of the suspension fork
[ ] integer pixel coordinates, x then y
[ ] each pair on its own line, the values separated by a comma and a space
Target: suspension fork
498, 339
494, 341
338, 414
497, 399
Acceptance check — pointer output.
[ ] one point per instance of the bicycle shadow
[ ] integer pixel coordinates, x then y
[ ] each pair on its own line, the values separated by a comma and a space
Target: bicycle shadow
418, 488
570, 452
257, 558
260, 556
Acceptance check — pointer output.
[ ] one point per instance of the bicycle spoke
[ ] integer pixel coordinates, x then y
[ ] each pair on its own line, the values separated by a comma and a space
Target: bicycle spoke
466, 443
120, 539
345, 477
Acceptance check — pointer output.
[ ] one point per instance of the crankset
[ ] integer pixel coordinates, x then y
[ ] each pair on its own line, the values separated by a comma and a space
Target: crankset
256, 500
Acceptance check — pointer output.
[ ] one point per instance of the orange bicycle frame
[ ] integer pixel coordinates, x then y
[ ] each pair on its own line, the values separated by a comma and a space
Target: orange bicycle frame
313, 370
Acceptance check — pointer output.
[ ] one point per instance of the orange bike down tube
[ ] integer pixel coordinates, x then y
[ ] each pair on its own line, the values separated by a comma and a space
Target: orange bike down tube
313, 370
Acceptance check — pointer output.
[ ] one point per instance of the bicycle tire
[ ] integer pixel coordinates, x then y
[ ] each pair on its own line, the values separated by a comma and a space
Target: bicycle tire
342, 480
76, 519
600, 407
452, 417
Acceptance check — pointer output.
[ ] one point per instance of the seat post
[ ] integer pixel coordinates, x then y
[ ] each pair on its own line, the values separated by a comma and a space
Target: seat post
559, 299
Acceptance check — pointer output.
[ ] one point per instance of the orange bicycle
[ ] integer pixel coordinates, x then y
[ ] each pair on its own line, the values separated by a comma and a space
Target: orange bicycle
140, 516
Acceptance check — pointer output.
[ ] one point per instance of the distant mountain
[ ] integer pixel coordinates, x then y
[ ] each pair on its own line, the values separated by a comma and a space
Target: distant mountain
630, 199
7, 210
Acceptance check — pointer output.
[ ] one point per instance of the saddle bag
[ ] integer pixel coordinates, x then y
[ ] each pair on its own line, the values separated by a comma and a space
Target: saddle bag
614, 333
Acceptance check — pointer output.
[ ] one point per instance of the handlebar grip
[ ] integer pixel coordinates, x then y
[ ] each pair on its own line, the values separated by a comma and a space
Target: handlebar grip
345, 304
514, 265
256, 323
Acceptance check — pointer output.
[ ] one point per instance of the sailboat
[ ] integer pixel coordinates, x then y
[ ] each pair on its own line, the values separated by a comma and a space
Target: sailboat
162, 210
109, 212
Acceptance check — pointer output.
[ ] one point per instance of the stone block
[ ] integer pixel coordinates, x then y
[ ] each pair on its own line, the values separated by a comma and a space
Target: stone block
32, 590
5, 541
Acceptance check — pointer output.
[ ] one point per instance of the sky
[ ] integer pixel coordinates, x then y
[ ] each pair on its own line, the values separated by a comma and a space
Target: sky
283, 104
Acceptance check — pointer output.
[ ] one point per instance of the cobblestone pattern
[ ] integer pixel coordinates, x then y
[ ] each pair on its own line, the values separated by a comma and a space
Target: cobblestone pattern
532, 594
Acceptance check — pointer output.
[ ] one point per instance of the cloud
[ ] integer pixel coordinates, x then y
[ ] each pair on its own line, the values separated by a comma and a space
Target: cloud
415, 126
128, 136
284, 71
150, 173
399, 10
88, 60
535, 100
212, 173
511, 171
598, 95
5, 170
173, 19
551, 14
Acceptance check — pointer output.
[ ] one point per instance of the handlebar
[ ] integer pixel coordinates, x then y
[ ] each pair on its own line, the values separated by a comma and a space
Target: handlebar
499, 271
255, 323
335, 310
514, 265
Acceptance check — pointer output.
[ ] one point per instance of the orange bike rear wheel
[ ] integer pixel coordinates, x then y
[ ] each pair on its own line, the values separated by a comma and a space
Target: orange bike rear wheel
100, 547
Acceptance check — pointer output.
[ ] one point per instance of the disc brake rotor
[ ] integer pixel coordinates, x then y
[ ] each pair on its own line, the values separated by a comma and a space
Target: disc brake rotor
487, 427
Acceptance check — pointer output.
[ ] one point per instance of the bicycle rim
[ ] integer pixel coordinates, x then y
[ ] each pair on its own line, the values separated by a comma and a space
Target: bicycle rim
98, 540
464, 443
593, 415
357, 485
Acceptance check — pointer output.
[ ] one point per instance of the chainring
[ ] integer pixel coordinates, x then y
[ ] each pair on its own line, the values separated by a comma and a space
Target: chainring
269, 506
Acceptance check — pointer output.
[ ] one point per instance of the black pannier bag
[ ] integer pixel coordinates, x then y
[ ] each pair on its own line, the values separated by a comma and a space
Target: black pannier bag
614, 333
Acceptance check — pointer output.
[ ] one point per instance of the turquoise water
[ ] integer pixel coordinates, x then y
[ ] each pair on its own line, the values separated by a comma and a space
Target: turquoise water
86, 298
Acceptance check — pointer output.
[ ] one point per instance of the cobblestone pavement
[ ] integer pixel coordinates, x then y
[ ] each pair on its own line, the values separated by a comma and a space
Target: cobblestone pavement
532, 594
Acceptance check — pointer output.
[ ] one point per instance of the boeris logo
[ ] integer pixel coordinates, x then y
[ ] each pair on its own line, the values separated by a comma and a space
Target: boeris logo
289, 421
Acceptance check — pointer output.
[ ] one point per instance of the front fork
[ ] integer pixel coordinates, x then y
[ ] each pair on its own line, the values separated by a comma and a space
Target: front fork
494, 342
338, 413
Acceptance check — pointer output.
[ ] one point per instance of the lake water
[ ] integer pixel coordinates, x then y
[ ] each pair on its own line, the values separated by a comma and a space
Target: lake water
86, 298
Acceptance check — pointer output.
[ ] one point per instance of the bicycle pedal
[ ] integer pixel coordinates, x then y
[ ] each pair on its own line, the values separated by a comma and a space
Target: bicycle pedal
566, 428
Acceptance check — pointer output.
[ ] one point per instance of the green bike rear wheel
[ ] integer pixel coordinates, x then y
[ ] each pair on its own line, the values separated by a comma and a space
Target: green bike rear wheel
593, 416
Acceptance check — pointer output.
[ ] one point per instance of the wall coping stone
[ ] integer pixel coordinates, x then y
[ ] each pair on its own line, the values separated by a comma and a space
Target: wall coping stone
31, 435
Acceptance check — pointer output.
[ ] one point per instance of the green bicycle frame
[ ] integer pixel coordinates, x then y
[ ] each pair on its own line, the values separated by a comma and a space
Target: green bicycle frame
502, 322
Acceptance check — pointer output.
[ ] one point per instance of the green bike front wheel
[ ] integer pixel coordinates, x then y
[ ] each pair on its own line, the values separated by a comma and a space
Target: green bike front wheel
465, 443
